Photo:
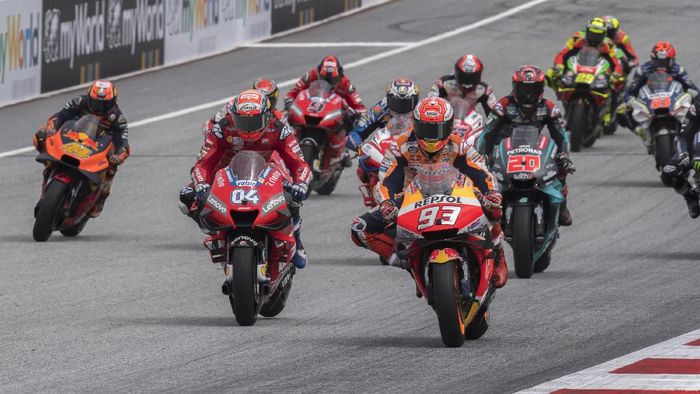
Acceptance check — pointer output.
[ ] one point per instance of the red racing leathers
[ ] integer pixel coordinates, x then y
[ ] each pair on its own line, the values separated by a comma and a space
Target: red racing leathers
344, 89
623, 43
218, 145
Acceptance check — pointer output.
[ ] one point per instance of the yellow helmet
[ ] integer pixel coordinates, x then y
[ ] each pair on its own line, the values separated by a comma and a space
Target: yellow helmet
613, 25
596, 31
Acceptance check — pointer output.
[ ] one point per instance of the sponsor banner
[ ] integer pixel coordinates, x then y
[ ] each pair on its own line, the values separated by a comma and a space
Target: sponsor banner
20, 49
196, 28
289, 14
90, 39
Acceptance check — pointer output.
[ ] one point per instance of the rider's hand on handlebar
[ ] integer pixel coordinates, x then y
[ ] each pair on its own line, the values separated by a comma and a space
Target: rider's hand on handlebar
491, 203
565, 164
299, 191
201, 190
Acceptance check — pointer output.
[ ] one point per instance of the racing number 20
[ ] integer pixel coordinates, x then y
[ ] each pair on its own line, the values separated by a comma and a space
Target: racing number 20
523, 163
448, 216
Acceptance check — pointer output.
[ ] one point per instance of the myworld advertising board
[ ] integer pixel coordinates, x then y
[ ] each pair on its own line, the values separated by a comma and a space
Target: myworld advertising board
196, 28
89, 39
20, 49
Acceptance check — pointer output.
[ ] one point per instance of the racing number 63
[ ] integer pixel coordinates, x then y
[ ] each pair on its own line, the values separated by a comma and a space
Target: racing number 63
428, 216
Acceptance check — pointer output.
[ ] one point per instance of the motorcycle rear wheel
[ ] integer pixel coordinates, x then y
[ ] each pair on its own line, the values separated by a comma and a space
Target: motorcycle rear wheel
242, 298
76, 229
45, 222
275, 305
523, 240
478, 327
448, 303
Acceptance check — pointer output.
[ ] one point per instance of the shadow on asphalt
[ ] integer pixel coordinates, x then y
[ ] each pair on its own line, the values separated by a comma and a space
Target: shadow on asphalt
637, 183
348, 261
667, 256
389, 342
186, 321
57, 237
197, 247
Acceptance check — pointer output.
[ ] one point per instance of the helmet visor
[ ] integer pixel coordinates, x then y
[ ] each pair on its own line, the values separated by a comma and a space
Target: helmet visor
431, 131
249, 124
529, 93
595, 37
334, 80
661, 63
100, 106
468, 80
400, 105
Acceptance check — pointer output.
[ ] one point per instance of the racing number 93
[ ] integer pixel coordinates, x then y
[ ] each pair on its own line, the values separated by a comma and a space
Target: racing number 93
523, 163
428, 216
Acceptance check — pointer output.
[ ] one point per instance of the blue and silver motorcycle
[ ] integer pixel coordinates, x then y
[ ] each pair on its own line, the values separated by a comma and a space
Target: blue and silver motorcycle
525, 167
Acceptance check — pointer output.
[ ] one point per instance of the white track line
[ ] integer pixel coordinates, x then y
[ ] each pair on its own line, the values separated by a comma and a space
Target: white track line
325, 44
599, 376
358, 63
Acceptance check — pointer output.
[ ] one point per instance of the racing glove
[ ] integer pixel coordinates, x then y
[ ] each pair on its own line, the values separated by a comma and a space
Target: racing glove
491, 202
117, 159
389, 211
201, 191
299, 191
288, 103
354, 141
565, 164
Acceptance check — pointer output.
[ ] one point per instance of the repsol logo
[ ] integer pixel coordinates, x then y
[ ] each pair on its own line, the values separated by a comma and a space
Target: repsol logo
438, 199
19, 43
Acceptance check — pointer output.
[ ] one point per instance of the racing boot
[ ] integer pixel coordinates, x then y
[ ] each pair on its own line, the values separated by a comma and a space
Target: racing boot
299, 259
106, 188
564, 215
500, 273
691, 198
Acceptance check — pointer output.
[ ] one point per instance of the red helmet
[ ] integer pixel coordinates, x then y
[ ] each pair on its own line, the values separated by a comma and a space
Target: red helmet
663, 55
269, 89
528, 87
251, 114
432, 124
468, 71
331, 70
101, 97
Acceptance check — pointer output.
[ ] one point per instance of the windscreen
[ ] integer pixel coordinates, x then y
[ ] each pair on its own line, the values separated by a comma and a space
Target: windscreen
525, 136
319, 88
659, 82
247, 165
587, 57
399, 124
88, 124
436, 178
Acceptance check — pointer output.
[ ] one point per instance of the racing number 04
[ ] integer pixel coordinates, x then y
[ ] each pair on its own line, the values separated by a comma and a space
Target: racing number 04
447, 216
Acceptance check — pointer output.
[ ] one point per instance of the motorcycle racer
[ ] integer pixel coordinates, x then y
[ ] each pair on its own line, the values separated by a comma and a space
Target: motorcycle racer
594, 36
249, 125
526, 105
329, 69
676, 172
465, 82
622, 43
100, 100
431, 141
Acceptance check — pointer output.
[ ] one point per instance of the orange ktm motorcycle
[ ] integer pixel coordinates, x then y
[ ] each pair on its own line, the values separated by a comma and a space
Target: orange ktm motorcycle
444, 236
76, 165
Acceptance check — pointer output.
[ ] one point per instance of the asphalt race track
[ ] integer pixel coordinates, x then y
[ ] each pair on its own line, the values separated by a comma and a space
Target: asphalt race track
133, 304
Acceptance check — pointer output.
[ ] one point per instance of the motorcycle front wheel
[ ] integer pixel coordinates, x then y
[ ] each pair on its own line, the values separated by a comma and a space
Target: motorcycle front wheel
242, 298
448, 305
578, 126
523, 240
664, 150
45, 222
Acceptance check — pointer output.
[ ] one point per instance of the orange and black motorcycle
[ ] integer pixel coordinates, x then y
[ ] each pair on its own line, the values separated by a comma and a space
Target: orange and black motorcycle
75, 159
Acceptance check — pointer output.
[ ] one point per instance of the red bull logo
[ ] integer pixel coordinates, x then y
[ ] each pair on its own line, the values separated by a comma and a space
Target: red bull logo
82, 138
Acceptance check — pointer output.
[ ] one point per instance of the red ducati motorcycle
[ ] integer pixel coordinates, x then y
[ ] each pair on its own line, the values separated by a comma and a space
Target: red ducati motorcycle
317, 117
250, 209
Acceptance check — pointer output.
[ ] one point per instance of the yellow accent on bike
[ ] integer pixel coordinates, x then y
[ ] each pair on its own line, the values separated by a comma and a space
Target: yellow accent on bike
442, 257
585, 78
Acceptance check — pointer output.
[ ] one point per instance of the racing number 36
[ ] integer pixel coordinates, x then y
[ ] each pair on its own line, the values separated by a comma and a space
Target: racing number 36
523, 163
447, 216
